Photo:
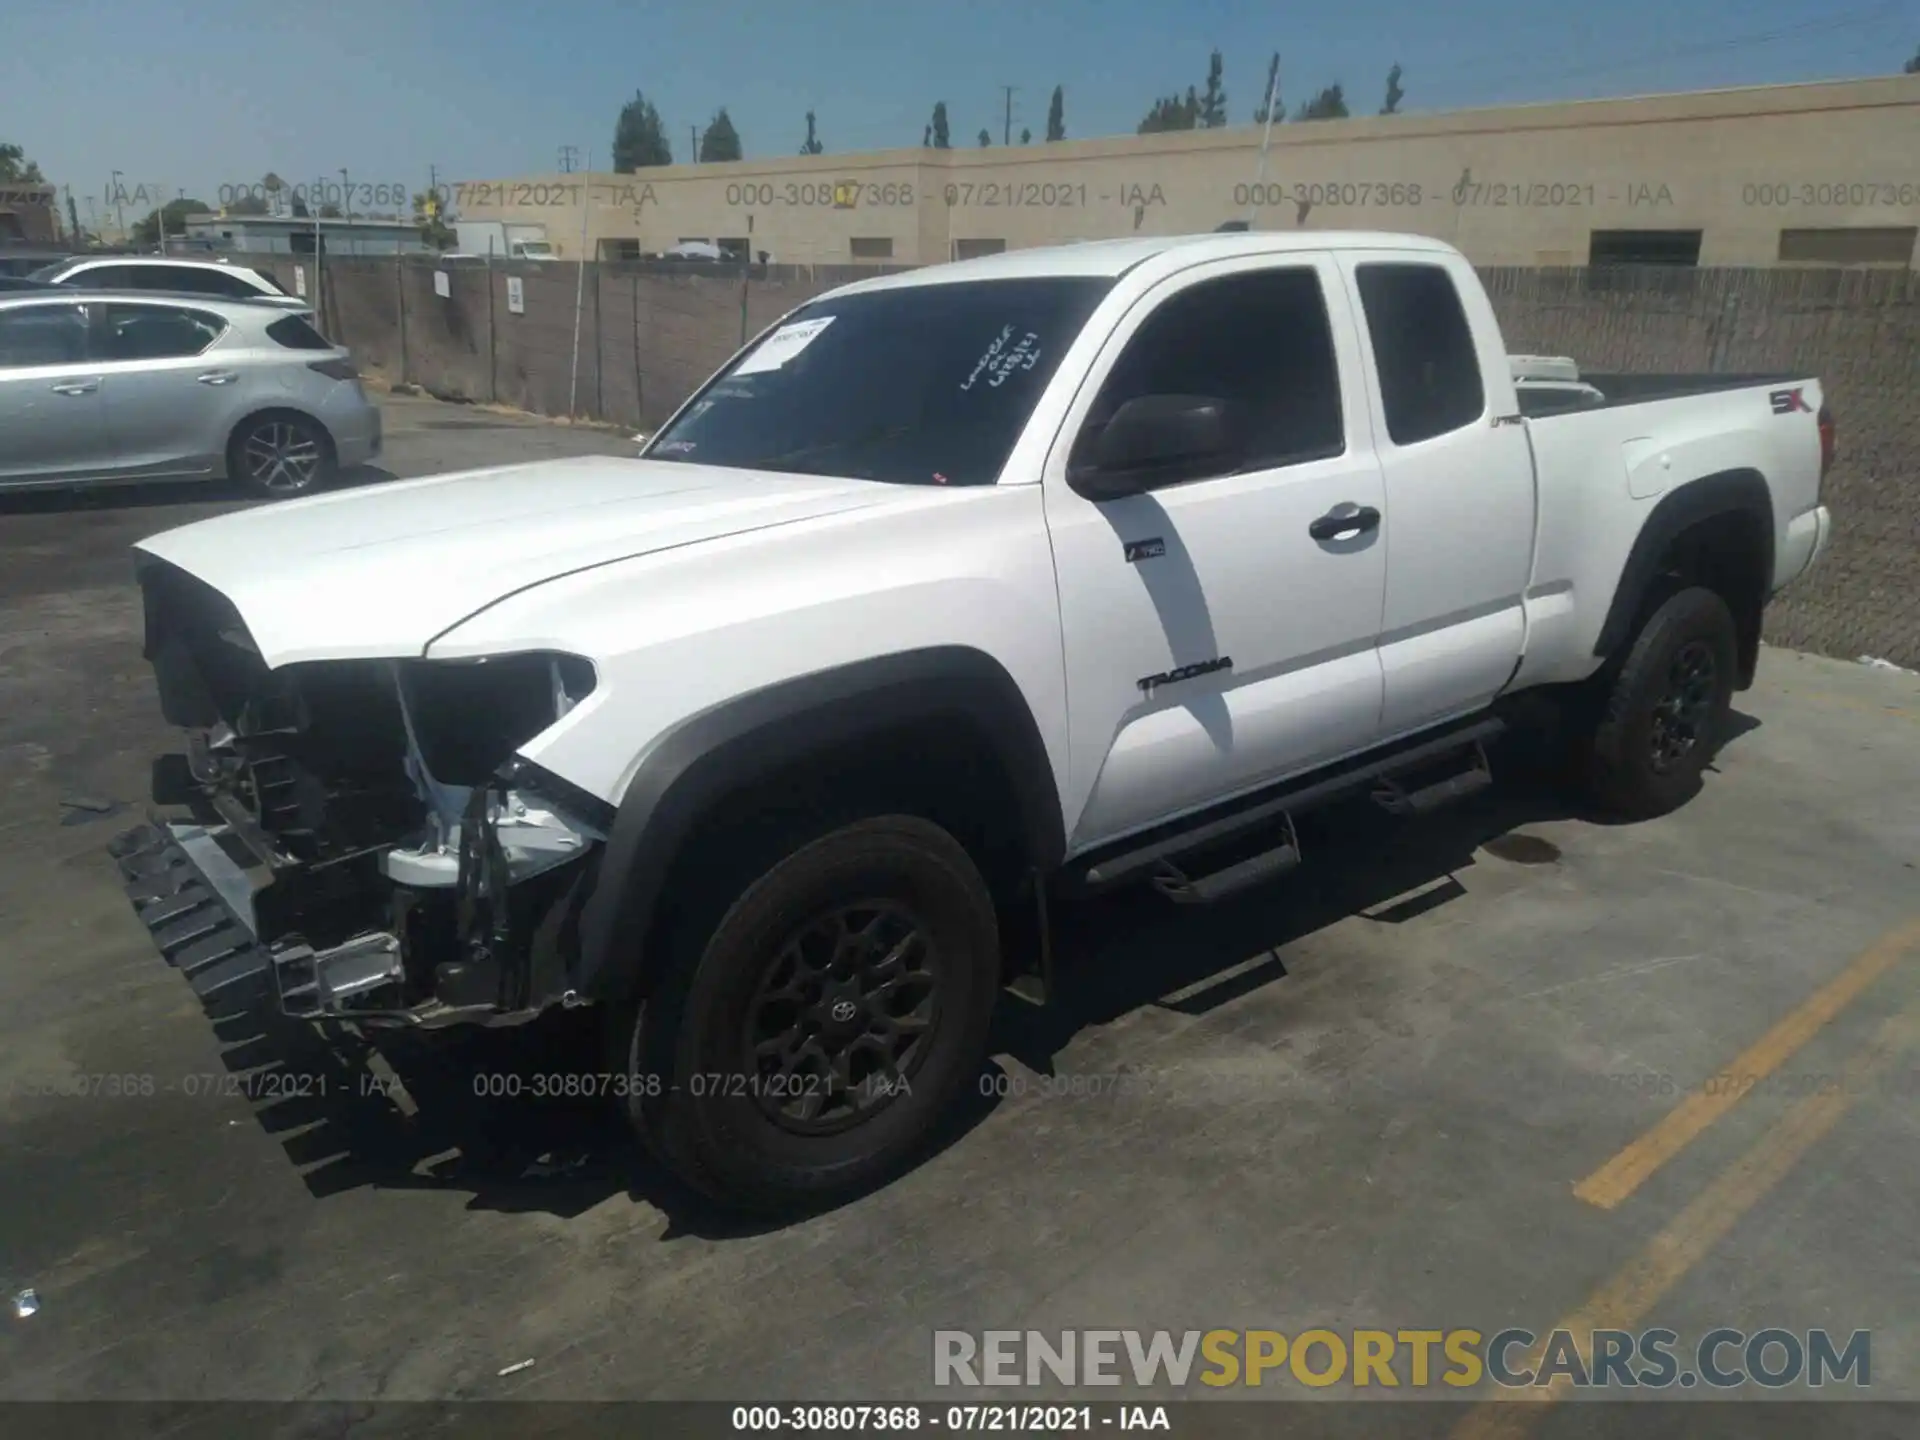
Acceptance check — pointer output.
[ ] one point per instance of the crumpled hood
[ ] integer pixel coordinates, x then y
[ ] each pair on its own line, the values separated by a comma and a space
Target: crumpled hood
381, 570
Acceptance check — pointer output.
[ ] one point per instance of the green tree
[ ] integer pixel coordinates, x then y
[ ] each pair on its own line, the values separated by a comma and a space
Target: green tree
1270, 92
73, 218
17, 169
1213, 102
1329, 104
639, 139
1026, 136
433, 224
247, 205
719, 141
936, 137
329, 211
147, 231
1912, 67
1057, 115
985, 139
1171, 112
811, 145
1394, 93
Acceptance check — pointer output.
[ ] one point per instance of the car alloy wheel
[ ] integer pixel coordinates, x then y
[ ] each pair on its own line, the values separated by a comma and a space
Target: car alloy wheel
281, 457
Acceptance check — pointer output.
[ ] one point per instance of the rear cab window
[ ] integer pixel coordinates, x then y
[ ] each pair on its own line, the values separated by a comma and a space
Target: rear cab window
1423, 350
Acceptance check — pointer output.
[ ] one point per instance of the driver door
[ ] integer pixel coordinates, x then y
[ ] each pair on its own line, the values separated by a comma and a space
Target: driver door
1213, 644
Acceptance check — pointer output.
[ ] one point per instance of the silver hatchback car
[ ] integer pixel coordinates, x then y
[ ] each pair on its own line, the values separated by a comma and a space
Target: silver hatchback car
118, 387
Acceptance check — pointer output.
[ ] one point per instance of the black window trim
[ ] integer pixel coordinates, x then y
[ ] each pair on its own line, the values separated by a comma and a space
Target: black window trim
1184, 281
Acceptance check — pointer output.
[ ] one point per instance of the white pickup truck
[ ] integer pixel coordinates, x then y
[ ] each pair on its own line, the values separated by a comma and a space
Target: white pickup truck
956, 590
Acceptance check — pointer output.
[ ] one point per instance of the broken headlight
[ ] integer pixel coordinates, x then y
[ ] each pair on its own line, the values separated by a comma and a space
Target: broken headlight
469, 716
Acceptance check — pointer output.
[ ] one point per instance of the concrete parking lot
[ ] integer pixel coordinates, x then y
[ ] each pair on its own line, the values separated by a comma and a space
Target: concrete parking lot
1457, 1074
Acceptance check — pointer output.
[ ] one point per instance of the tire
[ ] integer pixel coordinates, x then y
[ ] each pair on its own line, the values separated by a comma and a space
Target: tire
279, 455
734, 1123
1666, 708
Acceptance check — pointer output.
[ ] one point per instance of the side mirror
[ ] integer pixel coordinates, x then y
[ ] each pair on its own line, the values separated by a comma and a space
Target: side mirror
1151, 440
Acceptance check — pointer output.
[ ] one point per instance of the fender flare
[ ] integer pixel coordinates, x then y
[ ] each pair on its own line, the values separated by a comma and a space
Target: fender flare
1730, 492
692, 765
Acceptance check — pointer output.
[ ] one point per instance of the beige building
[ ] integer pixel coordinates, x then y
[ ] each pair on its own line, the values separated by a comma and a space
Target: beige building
1799, 174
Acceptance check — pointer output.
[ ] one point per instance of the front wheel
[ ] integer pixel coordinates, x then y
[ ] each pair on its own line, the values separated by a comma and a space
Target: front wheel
278, 456
1667, 708
811, 1043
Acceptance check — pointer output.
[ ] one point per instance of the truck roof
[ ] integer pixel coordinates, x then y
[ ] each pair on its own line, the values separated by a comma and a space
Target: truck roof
1113, 258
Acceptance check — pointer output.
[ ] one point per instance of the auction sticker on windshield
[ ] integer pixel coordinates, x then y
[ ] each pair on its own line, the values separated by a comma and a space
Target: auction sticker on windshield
781, 346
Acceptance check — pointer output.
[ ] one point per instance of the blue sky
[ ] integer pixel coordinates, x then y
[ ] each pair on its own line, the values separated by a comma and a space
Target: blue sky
192, 96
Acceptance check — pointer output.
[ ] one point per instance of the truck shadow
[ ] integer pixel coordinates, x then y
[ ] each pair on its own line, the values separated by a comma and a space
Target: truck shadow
521, 1119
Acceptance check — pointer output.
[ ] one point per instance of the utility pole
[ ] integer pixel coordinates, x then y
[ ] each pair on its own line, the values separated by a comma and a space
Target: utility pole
1006, 137
567, 154
693, 144
120, 206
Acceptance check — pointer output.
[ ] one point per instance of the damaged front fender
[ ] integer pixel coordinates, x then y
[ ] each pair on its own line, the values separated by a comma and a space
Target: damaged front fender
367, 826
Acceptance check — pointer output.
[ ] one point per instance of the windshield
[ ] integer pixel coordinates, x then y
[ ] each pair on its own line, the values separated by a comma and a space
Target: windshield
536, 247
923, 385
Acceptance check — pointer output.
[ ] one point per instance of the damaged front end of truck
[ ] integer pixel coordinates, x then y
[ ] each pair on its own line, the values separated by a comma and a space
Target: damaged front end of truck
360, 830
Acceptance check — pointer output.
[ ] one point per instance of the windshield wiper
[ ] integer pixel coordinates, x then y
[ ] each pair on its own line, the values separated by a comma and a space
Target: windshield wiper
786, 460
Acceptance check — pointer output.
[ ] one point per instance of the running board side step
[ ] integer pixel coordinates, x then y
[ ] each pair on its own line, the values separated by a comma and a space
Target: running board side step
1395, 799
1164, 857
1174, 883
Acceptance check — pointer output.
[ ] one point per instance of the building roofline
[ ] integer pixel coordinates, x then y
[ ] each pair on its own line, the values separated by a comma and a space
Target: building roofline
1728, 103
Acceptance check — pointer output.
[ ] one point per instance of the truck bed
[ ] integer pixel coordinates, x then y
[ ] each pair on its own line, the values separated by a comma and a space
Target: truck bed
1618, 389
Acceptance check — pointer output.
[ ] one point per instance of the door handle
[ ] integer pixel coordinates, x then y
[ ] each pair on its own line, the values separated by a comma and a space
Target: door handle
217, 377
1344, 522
76, 387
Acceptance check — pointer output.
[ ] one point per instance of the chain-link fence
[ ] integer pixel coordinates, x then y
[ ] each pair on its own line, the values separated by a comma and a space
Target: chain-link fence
1857, 330
626, 343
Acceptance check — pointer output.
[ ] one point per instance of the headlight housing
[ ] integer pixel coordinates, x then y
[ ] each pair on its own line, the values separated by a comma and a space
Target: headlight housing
469, 716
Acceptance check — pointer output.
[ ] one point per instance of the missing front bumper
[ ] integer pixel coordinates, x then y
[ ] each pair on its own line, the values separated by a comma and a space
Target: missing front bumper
198, 903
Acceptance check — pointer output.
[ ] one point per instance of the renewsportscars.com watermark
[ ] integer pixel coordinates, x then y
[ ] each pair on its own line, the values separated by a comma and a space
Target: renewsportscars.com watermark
1721, 1359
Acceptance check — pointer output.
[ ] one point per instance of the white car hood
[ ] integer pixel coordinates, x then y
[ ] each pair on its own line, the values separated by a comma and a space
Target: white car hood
380, 571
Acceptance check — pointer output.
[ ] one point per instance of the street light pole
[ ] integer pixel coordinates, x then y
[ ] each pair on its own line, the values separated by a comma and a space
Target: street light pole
120, 206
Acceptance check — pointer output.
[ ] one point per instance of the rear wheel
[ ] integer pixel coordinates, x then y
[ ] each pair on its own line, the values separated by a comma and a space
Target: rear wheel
1667, 707
280, 455
809, 1043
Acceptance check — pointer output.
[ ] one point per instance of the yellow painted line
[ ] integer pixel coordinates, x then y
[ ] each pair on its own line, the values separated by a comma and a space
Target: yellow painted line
1614, 1181
1625, 1299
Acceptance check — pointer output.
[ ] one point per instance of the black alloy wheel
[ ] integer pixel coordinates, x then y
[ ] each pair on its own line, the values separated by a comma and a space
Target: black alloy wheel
1683, 713
1664, 710
838, 1027
814, 1023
